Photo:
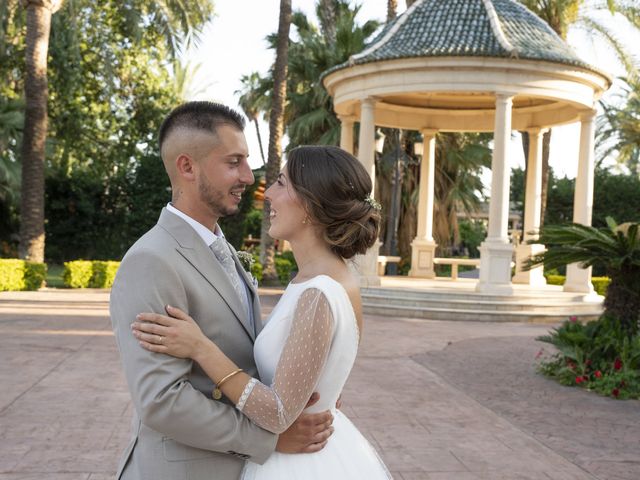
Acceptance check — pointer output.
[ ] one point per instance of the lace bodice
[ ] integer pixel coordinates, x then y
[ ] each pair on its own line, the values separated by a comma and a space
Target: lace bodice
308, 345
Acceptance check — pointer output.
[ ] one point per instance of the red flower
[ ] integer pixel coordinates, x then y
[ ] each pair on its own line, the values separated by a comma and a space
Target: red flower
579, 380
617, 365
615, 392
598, 374
573, 319
587, 362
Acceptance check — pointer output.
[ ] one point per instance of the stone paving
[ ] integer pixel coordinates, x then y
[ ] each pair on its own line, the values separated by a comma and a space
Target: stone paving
439, 400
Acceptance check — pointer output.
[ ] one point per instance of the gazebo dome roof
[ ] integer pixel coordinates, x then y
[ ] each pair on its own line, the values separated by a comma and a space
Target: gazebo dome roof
467, 28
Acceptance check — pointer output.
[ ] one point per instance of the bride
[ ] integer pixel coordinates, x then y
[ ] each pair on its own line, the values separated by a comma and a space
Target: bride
322, 204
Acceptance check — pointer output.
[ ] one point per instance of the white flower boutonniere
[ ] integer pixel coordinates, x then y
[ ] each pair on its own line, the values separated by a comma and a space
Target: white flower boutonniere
247, 260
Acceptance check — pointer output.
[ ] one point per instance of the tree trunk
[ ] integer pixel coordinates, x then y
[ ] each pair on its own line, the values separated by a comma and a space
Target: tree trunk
255, 121
276, 131
392, 9
328, 21
546, 143
35, 131
622, 300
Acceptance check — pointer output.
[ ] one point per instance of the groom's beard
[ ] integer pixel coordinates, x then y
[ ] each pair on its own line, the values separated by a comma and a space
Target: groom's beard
215, 199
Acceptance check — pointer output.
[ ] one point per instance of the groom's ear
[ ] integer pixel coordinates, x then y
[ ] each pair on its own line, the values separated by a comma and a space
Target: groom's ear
185, 167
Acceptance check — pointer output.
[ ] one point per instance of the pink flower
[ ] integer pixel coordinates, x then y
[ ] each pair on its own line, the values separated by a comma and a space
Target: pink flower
539, 354
598, 374
573, 319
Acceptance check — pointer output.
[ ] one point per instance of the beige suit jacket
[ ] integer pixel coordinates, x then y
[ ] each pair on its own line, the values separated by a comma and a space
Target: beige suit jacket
179, 432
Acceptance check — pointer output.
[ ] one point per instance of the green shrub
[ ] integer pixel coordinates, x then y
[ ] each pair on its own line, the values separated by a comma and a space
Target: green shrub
78, 273
598, 356
103, 274
600, 284
284, 267
34, 275
90, 274
555, 279
256, 268
11, 275
21, 275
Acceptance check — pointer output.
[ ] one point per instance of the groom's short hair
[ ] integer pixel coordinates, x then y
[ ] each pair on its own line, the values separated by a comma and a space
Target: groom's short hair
201, 115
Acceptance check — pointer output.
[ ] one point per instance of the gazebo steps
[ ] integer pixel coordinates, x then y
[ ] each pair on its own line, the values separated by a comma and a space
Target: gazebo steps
471, 306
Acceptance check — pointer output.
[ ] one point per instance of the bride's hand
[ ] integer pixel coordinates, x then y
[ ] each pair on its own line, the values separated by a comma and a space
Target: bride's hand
178, 335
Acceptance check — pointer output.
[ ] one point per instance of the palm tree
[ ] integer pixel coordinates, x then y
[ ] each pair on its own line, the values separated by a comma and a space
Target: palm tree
563, 15
619, 128
11, 123
615, 247
276, 132
253, 100
392, 9
39, 14
459, 159
177, 20
327, 16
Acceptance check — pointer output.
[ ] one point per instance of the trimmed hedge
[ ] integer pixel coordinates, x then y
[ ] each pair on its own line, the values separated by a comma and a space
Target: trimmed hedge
600, 284
104, 273
89, 274
21, 275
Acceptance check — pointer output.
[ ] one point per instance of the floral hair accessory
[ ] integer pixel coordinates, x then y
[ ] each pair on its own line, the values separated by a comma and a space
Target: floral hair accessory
372, 202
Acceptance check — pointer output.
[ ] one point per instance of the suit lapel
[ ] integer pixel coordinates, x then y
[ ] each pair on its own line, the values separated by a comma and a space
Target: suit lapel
202, 259
254, 298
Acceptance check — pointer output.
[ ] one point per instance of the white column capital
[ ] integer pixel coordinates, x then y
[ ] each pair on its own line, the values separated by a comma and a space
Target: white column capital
347, 118
536, 130
505, 96
369, 101
588, 116
428, 132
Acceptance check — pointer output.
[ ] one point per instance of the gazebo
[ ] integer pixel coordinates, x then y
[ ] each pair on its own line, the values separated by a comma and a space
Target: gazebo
472, 66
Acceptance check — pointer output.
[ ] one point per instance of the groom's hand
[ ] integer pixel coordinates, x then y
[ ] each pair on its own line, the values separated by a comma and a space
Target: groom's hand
309, 433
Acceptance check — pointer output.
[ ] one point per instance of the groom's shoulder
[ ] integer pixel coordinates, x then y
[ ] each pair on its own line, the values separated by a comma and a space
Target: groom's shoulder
156, 242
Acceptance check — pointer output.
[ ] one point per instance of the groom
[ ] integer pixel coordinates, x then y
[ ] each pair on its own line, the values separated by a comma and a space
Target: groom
179, 431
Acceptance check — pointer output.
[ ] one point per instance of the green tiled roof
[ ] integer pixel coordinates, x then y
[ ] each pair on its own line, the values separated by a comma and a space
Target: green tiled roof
438, 28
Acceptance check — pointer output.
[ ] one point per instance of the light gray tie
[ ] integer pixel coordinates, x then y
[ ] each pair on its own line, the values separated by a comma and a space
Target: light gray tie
223, 254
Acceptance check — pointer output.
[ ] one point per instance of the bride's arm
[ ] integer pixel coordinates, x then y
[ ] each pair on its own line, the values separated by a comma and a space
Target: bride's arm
274, 407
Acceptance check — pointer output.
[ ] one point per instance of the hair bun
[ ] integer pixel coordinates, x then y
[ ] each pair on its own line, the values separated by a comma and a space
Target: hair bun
336, 190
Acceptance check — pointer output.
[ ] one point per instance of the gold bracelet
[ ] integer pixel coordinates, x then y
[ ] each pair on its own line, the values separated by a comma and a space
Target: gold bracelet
217, 393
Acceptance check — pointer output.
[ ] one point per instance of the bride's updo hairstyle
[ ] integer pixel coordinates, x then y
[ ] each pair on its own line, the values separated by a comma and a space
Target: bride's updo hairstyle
335, 190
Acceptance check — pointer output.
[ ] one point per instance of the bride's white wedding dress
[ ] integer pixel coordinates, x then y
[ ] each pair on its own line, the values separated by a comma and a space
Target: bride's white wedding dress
309, 344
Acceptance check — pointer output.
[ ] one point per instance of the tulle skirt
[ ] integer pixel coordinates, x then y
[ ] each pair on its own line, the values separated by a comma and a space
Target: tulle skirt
347, 456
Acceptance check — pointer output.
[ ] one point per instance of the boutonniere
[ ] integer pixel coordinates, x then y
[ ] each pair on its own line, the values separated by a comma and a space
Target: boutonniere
247, 260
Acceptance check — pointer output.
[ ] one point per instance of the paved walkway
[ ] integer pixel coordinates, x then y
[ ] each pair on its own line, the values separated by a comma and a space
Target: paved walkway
439, 400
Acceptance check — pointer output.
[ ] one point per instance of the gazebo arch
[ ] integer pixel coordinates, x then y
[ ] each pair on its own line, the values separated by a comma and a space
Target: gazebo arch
472, 66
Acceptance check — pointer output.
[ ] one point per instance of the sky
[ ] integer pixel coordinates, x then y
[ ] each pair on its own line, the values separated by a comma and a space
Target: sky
234, 44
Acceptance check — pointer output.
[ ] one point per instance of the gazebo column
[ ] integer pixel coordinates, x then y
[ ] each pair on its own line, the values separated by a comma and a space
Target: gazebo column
579, 279
496, 251
367, 264
423, 247
346, 133
532, 209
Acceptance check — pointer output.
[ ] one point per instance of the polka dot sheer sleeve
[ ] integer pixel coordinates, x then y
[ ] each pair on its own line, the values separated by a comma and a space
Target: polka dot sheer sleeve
276, 407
